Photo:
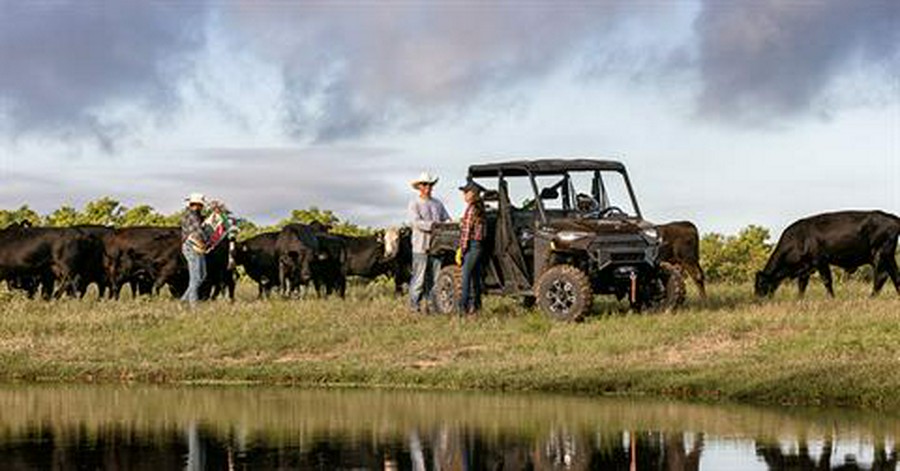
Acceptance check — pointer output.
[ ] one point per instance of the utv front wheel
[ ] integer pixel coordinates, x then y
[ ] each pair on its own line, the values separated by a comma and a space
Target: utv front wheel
564, 293
447, 289
674, 286
665, 292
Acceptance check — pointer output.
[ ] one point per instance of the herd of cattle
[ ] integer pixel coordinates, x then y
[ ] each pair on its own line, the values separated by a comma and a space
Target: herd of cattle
57, 262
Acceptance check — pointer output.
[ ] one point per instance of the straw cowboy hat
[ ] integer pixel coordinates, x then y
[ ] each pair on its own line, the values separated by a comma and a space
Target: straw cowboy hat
195, 198
424, 177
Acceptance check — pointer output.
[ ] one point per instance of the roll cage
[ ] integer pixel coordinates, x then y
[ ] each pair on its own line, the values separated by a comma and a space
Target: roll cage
564, 188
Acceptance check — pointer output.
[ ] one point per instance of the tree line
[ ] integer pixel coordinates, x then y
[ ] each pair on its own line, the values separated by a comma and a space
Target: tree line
725, 258
107, 211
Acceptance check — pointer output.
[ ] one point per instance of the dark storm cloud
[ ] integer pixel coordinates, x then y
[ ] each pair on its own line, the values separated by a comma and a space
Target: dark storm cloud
767, 58
65, 63
351, 68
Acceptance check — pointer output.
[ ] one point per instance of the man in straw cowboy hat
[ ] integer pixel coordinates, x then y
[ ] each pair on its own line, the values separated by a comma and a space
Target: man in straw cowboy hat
193, 245
424, 211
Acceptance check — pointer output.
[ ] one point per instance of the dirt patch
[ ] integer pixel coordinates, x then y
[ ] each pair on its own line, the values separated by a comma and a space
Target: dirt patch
447, 356
304, 357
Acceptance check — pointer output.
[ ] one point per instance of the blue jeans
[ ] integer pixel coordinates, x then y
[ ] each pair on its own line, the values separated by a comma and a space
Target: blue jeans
424, 272
196, 270
470, 298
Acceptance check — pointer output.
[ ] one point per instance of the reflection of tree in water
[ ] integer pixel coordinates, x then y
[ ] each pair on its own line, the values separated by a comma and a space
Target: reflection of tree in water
445, 448
802, 460
646, 450
110, 447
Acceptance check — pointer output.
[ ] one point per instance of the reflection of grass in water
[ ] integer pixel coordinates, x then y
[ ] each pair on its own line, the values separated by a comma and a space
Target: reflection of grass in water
817, 350
286, 412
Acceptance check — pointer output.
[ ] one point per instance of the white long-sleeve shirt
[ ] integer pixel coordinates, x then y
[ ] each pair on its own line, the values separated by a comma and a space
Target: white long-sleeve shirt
422, 214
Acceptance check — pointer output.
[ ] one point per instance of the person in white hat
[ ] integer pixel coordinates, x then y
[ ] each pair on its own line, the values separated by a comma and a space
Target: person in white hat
424, 211
193, 246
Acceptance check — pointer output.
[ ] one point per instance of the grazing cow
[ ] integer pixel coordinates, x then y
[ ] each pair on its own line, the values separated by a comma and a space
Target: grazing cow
142, 254
32, 256
847, 239
260, 261
364, 256
295, 248
681, 246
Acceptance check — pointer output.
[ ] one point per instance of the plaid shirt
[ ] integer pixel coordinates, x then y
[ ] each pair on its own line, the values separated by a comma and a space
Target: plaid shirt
192, 226
469, 228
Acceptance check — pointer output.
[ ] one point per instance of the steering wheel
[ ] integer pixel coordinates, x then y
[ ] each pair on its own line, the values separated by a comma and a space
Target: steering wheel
611, 211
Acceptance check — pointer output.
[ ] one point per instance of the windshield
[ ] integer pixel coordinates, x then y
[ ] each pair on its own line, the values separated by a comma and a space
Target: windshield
591, 194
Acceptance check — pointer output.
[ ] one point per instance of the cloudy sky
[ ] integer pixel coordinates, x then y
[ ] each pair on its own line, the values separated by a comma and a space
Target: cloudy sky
727, 113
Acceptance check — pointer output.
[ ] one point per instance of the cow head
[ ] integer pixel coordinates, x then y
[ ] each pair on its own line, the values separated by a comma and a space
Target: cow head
764, 285
391, 240
240, 253
305, 258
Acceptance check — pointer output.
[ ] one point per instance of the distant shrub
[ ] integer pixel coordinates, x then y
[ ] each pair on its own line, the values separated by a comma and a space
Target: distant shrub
735, 258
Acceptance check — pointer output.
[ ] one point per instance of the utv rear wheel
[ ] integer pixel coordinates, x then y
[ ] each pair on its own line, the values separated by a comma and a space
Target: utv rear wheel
564, 293
447, 289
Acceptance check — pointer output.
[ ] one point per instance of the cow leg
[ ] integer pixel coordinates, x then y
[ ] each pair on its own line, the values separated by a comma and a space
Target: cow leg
825, 274
47, 284
802, 283
885, 267
282, 279
696, 274
894, 273
230, 285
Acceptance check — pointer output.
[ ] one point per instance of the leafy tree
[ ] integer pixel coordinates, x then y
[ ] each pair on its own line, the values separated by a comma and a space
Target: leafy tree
104, 211
142, 215
24, 213
307, 216
737, 258
63, 216
327, 217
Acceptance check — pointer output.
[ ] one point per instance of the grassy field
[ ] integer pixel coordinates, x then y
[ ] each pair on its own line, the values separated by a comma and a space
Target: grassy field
731, 347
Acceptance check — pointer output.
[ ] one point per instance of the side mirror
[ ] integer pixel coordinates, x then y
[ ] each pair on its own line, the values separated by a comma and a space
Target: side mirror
549, 194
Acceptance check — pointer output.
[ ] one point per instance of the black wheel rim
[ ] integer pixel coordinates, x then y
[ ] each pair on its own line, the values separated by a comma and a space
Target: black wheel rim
561, 296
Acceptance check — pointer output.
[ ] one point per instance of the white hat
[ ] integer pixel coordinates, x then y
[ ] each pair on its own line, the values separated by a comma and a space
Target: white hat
424, 177
196, 198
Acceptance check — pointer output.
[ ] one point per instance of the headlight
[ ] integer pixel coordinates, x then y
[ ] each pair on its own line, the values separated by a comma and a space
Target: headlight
651, 233
572, 236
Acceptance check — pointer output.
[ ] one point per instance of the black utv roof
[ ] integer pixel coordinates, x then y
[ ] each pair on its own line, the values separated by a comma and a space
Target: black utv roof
543, 167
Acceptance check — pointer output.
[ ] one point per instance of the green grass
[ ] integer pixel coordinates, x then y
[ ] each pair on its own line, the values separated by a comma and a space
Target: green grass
815, 351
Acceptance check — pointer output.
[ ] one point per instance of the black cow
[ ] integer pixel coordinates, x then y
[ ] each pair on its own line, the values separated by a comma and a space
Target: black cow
402, 261
260, 261
92, 268
329, 268
146, 254
847, 239
295, 247
219, 271
681, 246
33, 256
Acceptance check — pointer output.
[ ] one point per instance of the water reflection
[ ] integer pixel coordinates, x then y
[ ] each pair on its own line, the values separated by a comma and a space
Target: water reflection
248, 428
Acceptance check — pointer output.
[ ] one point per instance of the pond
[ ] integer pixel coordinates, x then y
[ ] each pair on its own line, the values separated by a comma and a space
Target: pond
122, 427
